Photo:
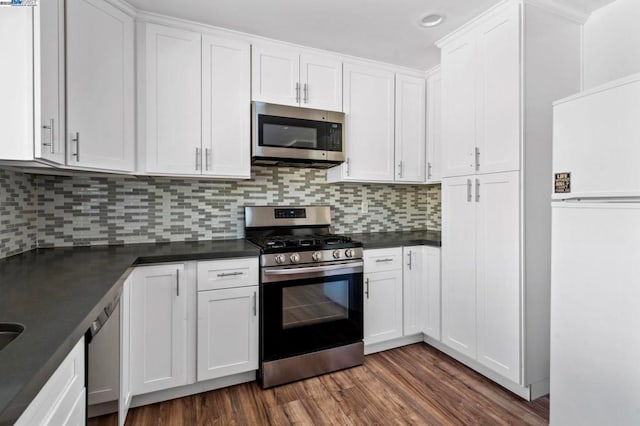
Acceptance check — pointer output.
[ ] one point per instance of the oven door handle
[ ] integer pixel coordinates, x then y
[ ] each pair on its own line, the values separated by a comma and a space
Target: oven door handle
312, 269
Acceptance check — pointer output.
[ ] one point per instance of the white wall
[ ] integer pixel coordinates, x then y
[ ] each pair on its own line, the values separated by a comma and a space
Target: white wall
612, 43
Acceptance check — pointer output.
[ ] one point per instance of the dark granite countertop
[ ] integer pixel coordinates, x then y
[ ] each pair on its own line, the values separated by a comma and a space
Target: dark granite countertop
375, 240
56, 293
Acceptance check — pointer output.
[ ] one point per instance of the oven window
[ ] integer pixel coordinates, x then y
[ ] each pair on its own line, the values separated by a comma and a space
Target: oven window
315, 304
286, 136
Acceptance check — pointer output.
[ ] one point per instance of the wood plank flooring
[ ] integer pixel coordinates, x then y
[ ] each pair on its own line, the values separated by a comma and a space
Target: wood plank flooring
415, 385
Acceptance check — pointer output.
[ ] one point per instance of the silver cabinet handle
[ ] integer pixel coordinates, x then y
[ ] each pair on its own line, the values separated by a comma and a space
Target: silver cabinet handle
50, 144
468, 190
477, 190
400, 169
477, 158
306, 93
366, 291
198, 159
429, 170
255, 304
76, 139
347, 166
207, 158
388, 259
297, 93
409, 264
229, 274
177, 282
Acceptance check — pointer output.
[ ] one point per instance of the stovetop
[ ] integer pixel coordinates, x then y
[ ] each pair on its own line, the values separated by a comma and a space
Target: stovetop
303, 242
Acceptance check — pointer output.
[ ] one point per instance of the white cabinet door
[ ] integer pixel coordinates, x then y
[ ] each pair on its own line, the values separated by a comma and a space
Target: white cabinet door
413, 287
369, 107
226, 98
125, 395
410, 129
459, 265
51, 143
16, 83
62, 399
227, 332
321, 80
382, 306
158, 328
498, 272
431, 294
173, 101
100, 86
498, 132
275, 75
459, 81
434, 128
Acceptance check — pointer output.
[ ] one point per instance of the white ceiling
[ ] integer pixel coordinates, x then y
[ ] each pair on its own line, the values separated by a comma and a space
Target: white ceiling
384, 30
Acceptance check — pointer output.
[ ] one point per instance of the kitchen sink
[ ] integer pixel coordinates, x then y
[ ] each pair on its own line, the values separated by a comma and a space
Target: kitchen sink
8, 332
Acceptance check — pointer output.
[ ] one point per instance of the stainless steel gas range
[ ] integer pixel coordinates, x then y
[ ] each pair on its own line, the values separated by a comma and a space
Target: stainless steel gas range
311, 299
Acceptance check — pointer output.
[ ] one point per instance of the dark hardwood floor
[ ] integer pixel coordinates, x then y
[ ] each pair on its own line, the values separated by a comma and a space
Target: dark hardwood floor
415, 384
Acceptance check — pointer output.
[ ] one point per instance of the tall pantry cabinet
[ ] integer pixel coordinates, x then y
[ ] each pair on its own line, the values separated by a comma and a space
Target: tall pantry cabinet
499, 79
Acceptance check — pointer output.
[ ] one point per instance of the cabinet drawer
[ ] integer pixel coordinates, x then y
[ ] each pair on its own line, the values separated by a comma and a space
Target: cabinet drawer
382, 260
227, 273
57, 399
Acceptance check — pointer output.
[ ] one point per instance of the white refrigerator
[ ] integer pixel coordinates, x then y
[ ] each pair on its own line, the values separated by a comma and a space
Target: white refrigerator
595, 272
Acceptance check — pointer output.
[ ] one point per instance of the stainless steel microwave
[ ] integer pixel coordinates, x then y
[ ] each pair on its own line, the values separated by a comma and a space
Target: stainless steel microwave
294, 136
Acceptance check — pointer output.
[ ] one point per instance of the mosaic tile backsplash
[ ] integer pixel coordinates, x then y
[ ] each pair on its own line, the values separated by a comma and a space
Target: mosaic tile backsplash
18, 216
82, 210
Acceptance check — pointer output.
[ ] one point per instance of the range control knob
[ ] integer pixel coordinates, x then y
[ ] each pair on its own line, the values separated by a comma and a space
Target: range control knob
336, 254
280, 258
295, 258
350, 253
316, 256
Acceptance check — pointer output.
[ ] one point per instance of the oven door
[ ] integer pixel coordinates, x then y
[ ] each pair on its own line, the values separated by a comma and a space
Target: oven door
310, 308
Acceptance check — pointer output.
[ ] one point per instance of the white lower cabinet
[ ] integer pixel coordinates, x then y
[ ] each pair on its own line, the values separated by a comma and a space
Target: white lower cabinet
227, 332
401, 295
382, 295
62, 400
421, 290
158, 328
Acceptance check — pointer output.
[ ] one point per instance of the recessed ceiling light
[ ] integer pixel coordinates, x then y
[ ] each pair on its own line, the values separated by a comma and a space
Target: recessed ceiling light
431, 20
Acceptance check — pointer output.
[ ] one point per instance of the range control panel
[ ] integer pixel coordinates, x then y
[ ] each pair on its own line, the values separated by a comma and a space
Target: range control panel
290, 213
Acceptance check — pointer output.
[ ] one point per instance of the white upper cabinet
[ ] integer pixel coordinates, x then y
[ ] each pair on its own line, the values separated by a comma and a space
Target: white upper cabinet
16, 83
321, 80
434, 127
173, 100
481, 77
100, 86
369, 96
459, 107
410, 129
287, 76
50, 141
226, 121
195, 104
498, 132
275, 75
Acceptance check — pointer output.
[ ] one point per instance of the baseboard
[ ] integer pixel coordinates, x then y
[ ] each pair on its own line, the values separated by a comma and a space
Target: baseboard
540, 389
182, 391
391, 344
523, 392
97, 410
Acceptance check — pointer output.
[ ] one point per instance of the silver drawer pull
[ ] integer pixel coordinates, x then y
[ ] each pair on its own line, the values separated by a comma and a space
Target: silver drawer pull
229, 274
384, 260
